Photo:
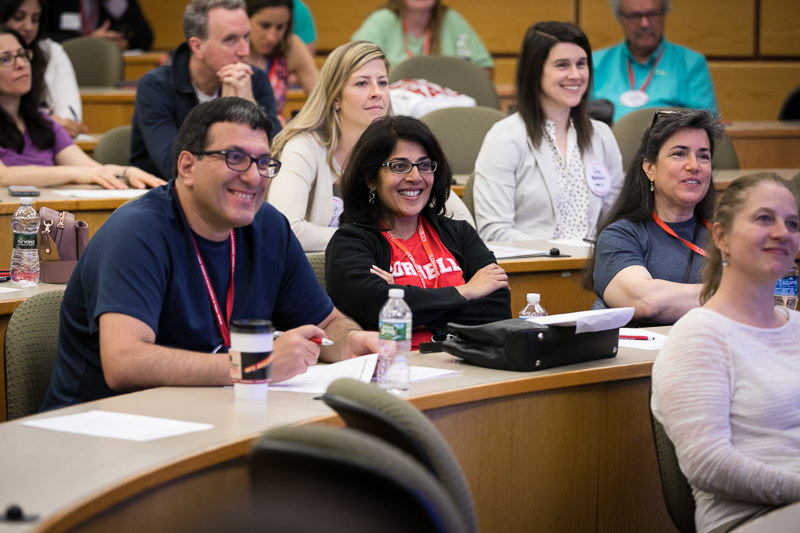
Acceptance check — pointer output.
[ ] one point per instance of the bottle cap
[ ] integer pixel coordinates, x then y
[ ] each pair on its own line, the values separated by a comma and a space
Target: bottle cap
533, 297
26, 200
396, 293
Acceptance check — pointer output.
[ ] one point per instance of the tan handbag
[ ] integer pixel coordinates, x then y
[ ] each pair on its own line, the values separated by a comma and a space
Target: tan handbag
62, 240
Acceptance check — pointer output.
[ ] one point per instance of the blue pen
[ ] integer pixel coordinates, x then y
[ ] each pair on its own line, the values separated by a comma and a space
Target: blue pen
74, 114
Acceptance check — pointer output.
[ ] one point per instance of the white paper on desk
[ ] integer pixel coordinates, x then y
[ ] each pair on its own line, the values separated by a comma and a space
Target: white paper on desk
586, 321
422, 373
506, 252
8, 289
655, 344
318, 377
575, 243
100, 193
85, 137
118, 425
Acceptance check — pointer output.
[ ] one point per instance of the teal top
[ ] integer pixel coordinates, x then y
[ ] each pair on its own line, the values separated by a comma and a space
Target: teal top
457, 38
303, 23
681, 78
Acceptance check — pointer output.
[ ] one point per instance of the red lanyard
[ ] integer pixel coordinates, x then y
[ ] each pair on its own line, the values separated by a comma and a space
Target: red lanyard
426, 46
688, 244
426, 246
89, 16
222, 322
650, 74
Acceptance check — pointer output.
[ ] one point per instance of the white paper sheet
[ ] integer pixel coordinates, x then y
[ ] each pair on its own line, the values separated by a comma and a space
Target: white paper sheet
577, 243
506, 252
586, 321
100, 193
422, 373
118, 425
8, 289
318, 377
655, 342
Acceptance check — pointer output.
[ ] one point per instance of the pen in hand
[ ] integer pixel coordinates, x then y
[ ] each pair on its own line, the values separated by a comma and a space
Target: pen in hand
317, 340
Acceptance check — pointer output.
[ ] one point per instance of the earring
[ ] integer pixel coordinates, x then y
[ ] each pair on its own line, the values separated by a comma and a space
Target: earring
652, 188
336, 108
371, 198
724, 260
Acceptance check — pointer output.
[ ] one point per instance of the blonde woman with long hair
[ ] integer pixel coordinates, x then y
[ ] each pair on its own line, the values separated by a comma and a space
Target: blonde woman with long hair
351, 92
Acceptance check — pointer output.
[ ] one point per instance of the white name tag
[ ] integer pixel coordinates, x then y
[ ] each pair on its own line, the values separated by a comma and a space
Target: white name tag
598, 178
70, 22
634, 98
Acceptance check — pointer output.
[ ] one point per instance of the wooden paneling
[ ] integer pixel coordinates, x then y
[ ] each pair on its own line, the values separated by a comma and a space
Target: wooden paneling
104, 109
749, 90
780, 28
165, 17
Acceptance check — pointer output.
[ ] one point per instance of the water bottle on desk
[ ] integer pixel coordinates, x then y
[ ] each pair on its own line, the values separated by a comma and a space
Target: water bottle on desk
394, 329
786, 289
25, 255
533, 308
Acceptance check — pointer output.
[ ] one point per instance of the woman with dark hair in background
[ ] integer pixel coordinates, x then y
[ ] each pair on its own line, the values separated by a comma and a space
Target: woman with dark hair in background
547, 171
278, 51
725, 383
34, 150
407, 28
61, 97
393, 233
650, 251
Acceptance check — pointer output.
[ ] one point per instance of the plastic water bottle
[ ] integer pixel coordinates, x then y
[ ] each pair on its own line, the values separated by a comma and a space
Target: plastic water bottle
394, 327
533, 308
25, 255
786, 289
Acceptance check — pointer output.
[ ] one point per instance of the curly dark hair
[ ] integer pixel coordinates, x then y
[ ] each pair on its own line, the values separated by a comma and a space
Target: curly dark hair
372, 150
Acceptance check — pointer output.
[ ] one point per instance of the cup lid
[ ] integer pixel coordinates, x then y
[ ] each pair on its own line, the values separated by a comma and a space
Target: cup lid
252, 325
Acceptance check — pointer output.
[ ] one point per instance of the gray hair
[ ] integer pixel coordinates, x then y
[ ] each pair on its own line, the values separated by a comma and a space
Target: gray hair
195, 16
615, 8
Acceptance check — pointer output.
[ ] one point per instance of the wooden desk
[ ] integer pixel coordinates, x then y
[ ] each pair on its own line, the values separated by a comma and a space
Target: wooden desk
565, 449
766, 144
138, 65
105, 108
9, 301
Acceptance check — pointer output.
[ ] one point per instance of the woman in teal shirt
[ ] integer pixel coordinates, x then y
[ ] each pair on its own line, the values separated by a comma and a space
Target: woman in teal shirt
407, 28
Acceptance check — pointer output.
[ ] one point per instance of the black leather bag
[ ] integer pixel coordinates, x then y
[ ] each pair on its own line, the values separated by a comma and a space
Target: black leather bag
524, 346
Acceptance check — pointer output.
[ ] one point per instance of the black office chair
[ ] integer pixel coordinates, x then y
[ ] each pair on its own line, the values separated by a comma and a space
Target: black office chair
318, 478
676, 489
790, 110
367, 408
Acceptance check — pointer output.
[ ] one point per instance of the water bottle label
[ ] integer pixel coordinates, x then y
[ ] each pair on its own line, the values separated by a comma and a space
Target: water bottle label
25, 241
394, 331
786, 286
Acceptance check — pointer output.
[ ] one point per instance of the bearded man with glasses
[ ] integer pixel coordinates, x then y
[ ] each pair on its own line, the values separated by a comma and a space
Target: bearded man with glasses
645, 70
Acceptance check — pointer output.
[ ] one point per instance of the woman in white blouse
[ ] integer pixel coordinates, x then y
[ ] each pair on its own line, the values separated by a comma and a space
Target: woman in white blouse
547, 171
62, 97
352, 91
725, 384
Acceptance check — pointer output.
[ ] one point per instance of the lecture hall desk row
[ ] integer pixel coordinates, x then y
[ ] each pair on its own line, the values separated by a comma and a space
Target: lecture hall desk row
559, 450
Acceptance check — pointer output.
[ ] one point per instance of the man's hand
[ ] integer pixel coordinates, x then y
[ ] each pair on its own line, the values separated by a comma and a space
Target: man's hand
236, 80
293, 352
105, 32
358, 343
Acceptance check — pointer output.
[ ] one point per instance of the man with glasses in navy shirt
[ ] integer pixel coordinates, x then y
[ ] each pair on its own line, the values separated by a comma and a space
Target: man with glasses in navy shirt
645, 70
153, 295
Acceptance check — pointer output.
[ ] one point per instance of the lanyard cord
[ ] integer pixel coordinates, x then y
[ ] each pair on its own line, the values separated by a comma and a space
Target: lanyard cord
426, 246
691, 246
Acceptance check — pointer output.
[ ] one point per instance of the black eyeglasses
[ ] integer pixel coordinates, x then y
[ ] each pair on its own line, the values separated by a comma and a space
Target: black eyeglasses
241, 162
637, 16
399, 166
8, 59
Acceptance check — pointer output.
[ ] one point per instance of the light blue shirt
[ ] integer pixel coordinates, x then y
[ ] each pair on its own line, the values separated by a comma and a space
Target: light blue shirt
681, 78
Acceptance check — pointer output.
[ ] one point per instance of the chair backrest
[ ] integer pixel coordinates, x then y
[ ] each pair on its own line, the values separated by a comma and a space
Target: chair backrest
317, 260
31, 346
318, 478
367, 408
676, 489
790, 110
97, 62
460, 132
451, 72
114, 147
629, 130
469, 198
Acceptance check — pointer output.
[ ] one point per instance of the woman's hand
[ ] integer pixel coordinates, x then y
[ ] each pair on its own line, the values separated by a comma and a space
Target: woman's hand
139, 179
106, 176
385, 276
73, 127
485, 281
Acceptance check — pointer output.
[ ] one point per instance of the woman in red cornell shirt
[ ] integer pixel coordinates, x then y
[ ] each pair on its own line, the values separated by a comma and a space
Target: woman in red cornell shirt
393, 233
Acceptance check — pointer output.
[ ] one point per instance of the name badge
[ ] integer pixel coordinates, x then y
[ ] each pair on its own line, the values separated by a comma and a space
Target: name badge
70, 22
634, 98
598, 179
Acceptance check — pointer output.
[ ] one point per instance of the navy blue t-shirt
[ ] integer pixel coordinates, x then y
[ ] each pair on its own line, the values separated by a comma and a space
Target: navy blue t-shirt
142, 263
626, 243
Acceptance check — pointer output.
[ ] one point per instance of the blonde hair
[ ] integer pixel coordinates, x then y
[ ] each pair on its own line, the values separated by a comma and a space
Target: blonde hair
398, 7
318, 115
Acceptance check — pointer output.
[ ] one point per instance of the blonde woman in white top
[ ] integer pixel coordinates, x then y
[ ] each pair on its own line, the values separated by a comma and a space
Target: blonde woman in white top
725, 384
351, 92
